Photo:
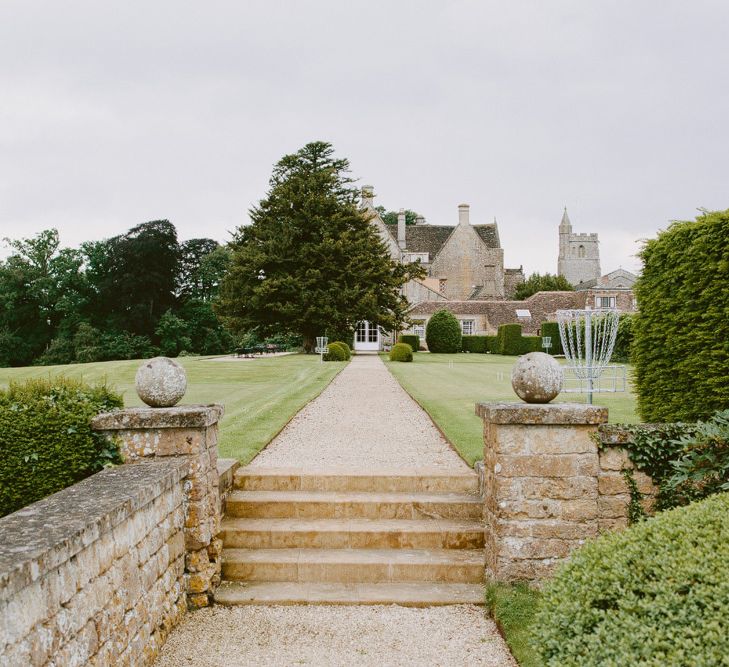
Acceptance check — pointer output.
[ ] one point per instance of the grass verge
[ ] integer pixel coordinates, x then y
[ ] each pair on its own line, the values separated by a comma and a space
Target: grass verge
447, 387
260, 395
513, 607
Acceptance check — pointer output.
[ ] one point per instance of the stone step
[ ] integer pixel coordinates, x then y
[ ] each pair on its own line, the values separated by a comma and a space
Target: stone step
352, 534
403, 594
352, 505
347, 479
355, 565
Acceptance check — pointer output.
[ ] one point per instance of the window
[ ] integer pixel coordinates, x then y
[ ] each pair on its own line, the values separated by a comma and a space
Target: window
581, 251
442, 285
418, 328
604, 302
468, 327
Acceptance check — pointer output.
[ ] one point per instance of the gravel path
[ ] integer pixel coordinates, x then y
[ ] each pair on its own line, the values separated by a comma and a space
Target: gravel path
335, 636
363, 418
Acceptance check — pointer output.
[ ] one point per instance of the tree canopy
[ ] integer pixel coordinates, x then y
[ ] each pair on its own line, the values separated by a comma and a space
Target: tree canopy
542, 283
390, 217
310, 263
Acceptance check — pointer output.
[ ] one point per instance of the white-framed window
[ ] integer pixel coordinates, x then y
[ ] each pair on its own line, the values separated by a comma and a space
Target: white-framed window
468, 327
604, 302
419, 330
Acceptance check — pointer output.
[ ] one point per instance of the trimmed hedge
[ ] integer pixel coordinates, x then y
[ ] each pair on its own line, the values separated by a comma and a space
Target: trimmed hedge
443, 333
680, 349
336, 352
511, 342
492, 344
413, 340
46, 442
478, 344
624, 339
345, 347
401, 352
654, 594
551, 329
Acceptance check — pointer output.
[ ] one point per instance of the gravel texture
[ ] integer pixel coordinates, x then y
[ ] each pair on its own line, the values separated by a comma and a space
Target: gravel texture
322, 636
364, 418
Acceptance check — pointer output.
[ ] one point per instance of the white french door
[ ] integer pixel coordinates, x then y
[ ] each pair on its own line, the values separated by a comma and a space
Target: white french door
367, 336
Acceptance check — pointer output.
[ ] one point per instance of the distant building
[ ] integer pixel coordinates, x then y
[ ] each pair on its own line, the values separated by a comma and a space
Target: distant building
466, 275
579, 254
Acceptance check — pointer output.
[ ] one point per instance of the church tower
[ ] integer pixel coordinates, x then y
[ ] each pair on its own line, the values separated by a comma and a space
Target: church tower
579, 254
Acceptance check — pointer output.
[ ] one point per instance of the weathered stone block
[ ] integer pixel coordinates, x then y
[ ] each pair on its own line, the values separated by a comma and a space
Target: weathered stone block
555, 465
615, 458
568, 488
613, 507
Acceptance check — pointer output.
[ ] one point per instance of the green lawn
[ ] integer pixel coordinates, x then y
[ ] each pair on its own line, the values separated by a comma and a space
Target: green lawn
448, 386
513, 606
260, 395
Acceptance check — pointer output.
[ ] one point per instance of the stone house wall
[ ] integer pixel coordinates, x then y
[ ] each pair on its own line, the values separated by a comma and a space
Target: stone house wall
95, 574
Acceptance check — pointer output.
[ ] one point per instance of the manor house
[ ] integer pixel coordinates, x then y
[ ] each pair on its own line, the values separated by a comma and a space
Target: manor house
466, 275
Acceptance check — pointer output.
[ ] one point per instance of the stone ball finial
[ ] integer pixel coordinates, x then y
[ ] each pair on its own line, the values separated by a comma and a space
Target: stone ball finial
161, 382
537, 377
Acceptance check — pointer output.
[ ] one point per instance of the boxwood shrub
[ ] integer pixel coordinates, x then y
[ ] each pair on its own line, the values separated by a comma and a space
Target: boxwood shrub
401, 352
477, 344
336, 352
654, 594
46, 442
443, 333
345, 347
413, 340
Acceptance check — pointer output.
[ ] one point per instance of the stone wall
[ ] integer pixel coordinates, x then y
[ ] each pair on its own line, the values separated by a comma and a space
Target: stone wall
614, 494
95, 574
187, 433
547, 485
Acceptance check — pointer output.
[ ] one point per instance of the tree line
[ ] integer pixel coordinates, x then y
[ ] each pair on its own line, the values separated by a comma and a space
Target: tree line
127, 297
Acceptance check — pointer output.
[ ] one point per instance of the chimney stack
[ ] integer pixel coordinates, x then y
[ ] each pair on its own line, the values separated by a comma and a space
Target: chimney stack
463, 217
368, 193
420, 220
401, 229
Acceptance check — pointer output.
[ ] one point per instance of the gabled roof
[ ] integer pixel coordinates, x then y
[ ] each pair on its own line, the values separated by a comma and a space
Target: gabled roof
431, 238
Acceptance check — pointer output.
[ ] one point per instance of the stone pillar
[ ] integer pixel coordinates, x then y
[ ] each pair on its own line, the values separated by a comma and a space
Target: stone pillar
541, 485
189, 432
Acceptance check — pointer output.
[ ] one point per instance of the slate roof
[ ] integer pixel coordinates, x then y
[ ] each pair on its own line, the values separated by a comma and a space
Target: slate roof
431, 238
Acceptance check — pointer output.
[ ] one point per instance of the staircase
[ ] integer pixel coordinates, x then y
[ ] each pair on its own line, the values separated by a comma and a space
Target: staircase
411, 538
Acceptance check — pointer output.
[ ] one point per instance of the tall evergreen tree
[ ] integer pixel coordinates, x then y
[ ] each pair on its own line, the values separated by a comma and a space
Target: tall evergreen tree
311, 262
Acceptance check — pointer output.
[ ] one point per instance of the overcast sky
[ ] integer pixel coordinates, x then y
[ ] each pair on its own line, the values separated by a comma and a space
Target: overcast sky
115, 113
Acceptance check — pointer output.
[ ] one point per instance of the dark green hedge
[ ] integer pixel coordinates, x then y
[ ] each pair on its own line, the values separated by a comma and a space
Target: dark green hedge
492, 344
478, 344
401, 352
551, 329
46, 442
410, 339
511, 342
681, 346
654, 594
624, 340
443, 333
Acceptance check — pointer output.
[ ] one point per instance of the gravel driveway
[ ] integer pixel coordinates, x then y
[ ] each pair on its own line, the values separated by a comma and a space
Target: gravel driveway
336, 636
364, 418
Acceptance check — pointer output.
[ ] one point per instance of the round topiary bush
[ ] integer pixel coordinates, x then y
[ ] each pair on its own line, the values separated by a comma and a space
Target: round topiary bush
443, 333
654, 594
336, 353
401, 352
345, 347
